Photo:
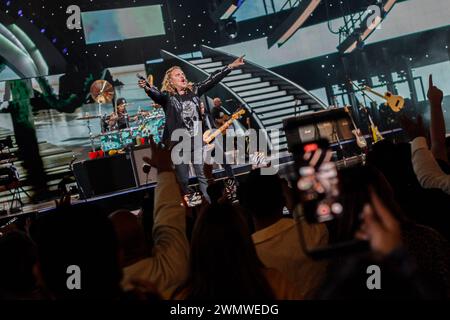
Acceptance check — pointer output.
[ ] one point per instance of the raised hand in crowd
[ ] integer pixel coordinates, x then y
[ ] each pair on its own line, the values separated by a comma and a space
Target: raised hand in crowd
435, 95
64, 201
437, 122
160, 157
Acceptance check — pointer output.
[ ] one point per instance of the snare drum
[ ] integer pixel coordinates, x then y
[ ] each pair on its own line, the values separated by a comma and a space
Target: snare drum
110, 141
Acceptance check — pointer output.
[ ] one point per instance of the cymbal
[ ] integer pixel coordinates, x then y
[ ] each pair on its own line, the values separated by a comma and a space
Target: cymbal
88, 117
102, 91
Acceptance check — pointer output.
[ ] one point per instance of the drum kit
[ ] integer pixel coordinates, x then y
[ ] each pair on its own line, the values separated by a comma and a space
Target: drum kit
112, 140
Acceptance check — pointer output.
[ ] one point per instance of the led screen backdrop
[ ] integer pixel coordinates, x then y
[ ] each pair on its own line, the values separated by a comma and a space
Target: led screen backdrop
121, 24
407, 17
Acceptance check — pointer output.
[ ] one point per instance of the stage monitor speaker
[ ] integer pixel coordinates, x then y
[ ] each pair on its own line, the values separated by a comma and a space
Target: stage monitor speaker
141, 177
105, 175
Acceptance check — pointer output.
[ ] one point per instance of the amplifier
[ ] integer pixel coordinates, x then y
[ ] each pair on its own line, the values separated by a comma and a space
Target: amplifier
333, 125
137, 154
105, 175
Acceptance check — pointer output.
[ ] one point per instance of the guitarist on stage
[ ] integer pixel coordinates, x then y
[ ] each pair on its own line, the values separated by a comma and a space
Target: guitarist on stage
218, 113
180, 100
219, 117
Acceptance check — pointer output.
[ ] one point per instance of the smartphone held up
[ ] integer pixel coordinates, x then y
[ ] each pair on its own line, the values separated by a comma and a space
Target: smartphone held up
318, 182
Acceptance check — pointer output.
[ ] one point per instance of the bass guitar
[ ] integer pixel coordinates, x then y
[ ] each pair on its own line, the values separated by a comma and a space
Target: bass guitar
210, 135
396, 103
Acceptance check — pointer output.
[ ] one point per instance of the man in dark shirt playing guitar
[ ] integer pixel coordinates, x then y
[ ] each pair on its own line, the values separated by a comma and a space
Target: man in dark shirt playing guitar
219, 117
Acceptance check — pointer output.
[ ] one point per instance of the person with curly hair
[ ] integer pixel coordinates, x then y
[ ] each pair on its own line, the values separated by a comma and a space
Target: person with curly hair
180, 100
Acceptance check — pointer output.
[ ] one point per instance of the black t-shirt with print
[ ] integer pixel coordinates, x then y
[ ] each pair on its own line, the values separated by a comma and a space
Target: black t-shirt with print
189, 113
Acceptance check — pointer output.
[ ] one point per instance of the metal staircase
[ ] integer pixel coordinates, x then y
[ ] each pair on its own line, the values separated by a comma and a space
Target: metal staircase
269, 96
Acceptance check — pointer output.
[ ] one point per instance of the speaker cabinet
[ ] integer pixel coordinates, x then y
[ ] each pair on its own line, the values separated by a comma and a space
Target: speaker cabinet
105, 175
141, 177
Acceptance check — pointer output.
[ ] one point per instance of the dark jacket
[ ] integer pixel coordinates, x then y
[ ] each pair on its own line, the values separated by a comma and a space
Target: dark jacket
172, 105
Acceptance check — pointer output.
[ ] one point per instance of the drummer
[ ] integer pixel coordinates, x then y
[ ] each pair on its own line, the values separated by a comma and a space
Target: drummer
120, 119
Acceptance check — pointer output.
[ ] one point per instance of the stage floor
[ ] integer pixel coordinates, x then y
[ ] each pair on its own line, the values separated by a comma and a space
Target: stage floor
132, 194
130, 199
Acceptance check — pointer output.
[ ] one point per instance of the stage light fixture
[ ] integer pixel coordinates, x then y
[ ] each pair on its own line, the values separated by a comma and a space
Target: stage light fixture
231, 28
294, 21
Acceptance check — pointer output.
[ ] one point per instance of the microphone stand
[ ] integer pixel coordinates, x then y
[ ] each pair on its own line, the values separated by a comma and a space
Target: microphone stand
365, 95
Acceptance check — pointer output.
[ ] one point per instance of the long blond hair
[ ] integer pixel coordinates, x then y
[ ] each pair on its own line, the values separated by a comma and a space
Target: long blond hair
167, 84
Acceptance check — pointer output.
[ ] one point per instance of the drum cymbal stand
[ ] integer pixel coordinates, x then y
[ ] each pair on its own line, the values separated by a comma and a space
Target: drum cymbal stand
91, 136
100, 109
335, 135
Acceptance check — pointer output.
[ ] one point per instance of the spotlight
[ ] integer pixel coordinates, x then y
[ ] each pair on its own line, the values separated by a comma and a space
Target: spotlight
231, 28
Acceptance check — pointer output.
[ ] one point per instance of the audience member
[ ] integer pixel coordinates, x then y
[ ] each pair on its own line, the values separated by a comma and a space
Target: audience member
224, 264
130, 234
422, 243
165, 265
18, 259
423, 206
388, 273
81, 239
426, 167
276, 237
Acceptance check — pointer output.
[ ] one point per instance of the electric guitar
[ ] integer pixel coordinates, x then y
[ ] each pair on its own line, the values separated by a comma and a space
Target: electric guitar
360, 140
210, 135
396, 103
376, 134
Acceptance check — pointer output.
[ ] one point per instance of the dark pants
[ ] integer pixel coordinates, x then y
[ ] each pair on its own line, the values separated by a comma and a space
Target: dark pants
182, 171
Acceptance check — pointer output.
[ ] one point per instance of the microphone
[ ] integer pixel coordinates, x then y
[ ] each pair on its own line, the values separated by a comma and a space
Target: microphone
229, 100
147, 85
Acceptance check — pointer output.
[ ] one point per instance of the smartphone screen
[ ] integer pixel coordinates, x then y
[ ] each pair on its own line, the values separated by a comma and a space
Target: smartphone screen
318, 181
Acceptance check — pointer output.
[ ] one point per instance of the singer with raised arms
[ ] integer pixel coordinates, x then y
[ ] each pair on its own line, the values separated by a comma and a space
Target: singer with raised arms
180, 100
